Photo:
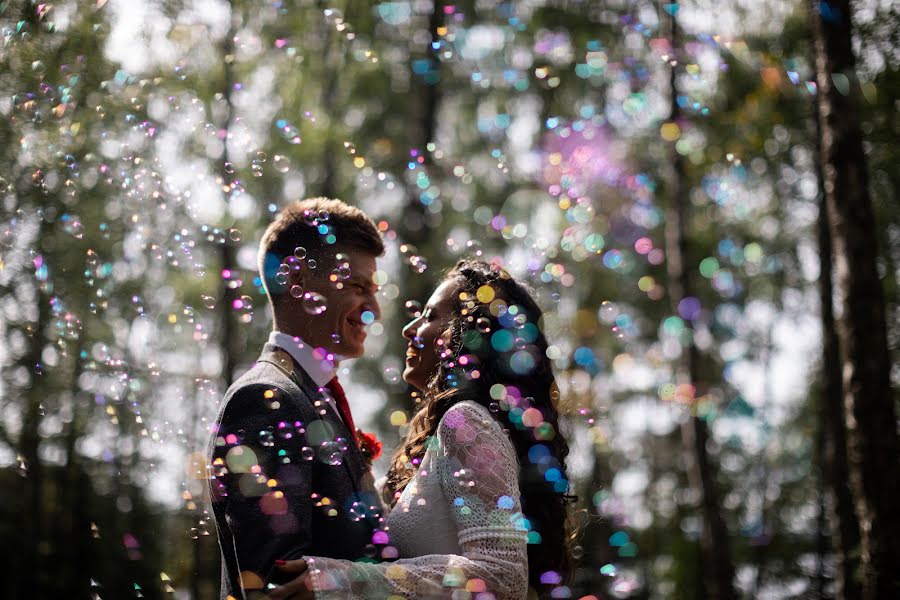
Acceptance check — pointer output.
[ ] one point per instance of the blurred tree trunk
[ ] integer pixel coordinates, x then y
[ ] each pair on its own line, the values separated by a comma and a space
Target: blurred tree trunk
717, 569
30, 576
415, 221
432, 90
332, 65
835, 475
226, 253
228, 261
868, 401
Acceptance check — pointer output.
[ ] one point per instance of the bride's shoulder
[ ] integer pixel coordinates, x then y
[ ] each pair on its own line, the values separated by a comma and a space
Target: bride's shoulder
469, 417
466, 410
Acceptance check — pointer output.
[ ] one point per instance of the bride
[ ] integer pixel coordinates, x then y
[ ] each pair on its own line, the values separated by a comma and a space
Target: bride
478, 490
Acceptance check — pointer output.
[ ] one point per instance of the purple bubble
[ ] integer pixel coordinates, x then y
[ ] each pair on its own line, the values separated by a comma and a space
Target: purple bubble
689, 308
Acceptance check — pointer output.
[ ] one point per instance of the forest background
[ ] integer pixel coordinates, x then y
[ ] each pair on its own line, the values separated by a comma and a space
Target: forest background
703, 195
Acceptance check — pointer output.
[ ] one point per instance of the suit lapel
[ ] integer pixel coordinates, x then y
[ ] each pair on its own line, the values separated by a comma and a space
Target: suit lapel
353, 458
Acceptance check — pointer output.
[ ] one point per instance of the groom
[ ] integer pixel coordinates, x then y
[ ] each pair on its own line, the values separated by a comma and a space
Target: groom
288, 477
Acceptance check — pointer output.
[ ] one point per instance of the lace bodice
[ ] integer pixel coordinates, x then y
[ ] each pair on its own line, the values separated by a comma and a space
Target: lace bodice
457, 526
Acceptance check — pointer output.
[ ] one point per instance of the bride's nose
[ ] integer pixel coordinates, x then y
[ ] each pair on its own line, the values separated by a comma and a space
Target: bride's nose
409, 332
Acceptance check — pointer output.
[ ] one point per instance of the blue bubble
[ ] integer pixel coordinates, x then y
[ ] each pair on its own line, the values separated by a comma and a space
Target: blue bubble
522, 362
503, 341
619, 538
529, 332
537, 452
367, 317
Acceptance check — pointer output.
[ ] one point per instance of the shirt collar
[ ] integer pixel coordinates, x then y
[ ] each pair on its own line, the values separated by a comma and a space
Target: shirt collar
319, 363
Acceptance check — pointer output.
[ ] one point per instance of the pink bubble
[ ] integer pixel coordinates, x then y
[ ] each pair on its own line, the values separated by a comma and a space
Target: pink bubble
380, 537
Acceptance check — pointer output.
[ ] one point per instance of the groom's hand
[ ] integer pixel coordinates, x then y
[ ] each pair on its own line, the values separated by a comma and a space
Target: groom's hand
299, 588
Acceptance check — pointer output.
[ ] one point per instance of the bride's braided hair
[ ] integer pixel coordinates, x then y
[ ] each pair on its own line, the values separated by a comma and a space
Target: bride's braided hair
544, 497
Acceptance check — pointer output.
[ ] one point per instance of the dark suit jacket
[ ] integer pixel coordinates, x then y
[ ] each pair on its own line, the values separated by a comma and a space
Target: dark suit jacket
287, 479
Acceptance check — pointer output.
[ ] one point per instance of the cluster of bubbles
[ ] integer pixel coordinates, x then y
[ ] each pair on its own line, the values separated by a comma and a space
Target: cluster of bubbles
410, 255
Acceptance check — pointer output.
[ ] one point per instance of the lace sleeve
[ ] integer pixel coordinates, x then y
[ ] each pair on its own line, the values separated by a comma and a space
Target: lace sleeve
479, 477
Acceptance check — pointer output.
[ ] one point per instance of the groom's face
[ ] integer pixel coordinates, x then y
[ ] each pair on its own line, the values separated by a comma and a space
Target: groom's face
350, 303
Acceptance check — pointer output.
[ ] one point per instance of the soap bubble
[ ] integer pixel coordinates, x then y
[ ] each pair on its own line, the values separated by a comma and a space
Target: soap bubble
330, 453
314, 303
281, 163
413, 308
391, 375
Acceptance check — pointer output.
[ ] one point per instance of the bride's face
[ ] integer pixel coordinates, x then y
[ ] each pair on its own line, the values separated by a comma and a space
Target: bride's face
429, 333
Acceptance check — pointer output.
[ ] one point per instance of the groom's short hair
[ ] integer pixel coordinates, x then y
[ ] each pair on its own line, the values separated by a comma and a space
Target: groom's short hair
319, 225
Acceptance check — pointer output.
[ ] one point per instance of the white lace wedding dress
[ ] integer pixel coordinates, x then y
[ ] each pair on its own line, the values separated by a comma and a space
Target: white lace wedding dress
458, 525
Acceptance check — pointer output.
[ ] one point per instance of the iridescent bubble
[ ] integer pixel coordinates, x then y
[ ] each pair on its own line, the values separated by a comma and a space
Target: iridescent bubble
244, 306
391, 375
413, 308
314, 303
474, 248
296, 291
309, 218
307, 453
419, 264
311, 263
288, 131
608, 311
483, 324
300, 252
256, 168
262, 156
266, 438
234, 234
407, 250
330, 453
199, 269
72, 225
229, 168
281, 163
7, 236
336, 339
417, 342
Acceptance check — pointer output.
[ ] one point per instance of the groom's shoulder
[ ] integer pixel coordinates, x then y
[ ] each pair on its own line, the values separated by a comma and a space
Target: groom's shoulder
267, 382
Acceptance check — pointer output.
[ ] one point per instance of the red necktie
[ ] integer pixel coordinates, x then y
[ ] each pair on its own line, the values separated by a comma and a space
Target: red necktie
340, 398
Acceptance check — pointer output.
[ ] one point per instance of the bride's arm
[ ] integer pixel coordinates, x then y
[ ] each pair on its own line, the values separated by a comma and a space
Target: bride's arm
479, 476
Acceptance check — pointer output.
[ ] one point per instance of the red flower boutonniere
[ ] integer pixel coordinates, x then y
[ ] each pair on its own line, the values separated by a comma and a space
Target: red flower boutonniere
369, 445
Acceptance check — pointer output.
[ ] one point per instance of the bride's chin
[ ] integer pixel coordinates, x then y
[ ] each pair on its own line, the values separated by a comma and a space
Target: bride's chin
409, 377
